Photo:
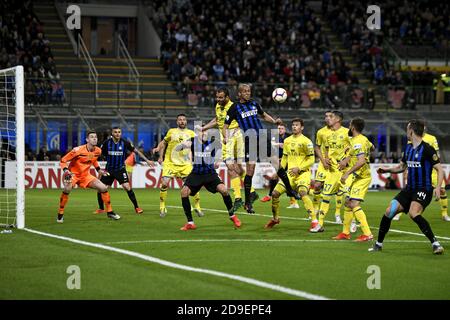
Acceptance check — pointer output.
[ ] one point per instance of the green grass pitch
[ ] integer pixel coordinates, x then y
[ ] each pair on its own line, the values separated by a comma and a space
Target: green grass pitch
34, 267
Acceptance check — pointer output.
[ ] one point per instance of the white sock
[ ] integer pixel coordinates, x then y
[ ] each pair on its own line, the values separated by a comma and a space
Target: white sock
436, 243
380, 244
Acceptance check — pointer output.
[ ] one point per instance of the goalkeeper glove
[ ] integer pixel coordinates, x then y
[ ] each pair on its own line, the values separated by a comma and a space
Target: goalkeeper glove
67, 175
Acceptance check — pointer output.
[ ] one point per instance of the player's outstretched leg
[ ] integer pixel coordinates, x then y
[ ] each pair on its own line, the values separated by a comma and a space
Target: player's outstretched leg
126, 186
284, 177
415, 213
229, 204
385, 224
63, 199
190, 225
103, 189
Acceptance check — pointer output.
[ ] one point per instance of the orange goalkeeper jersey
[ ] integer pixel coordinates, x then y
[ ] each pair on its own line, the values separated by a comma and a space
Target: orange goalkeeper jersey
81, 160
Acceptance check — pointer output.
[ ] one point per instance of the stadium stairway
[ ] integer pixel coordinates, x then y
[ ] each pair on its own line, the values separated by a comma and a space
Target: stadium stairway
115, 90
337, 44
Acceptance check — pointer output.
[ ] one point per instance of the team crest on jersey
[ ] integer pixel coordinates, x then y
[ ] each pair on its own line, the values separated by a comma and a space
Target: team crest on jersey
435, 157
417, 155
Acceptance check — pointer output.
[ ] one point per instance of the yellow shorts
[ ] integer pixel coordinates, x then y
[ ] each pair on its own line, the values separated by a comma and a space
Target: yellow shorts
434, 179
234, 149
333, 185
303, 181
321, 173
359, 188
173, 171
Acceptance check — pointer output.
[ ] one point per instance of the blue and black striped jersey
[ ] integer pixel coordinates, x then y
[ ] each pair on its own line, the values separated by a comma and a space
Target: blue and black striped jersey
115, 153
203, 155
420, 162
246, 115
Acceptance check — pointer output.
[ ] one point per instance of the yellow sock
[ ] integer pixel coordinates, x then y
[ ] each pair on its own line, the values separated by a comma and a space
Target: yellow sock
338, 204
324, 207
243, 177
275, 207
348, 217
197, 201
236, 186
444, 205
361, 217
162, 198
316, 200
309, 207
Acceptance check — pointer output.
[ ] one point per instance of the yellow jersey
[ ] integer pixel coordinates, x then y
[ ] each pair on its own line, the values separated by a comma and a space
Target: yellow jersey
221, 113
360, 145
432, 141
321, 137
174, 137
337, 143
298, 152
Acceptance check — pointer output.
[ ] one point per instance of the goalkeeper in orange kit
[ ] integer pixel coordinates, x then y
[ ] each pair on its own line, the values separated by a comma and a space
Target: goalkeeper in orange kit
76, 172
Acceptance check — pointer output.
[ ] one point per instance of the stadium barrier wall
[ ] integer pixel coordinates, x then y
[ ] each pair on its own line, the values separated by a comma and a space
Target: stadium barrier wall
48, 175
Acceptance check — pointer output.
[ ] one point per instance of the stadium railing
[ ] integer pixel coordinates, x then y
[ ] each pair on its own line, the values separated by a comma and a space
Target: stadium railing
179, 95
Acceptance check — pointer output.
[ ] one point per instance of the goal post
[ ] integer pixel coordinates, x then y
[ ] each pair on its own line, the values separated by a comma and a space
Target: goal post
12, 155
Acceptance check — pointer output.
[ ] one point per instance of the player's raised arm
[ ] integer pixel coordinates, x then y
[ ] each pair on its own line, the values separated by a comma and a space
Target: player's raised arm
209, 125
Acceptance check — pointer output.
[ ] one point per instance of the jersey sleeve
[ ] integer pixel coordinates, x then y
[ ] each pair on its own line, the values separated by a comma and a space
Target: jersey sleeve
191, 134
259, 108
435, 145
64, 162
168, 136
231, 115
319, 138
309, 148
129, 146
432, 155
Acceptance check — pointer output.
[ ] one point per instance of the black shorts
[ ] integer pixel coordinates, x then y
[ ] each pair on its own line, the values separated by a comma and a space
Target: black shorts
120, 175
405, 197
196, 181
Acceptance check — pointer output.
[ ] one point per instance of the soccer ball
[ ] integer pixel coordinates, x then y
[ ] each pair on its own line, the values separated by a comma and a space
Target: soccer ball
279, 95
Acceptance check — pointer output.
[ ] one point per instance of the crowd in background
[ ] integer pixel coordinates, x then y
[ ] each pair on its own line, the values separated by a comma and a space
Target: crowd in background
272, 43
23, 42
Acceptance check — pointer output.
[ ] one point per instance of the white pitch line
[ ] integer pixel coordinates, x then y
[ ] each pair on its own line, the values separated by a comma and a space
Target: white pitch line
283, 217
252, 240
258, 283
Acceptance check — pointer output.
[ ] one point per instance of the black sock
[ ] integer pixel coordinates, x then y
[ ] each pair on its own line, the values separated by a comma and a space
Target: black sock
187, 208
273, 184
425, 228
385, 224
228, 202
247, 187
100, 201
132, 197
284, 177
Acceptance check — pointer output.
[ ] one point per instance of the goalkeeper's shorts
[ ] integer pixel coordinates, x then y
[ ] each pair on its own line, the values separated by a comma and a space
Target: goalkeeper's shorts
82, 181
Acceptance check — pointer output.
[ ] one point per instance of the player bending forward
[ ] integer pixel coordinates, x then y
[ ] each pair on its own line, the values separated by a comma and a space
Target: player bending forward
203, 174
77, 173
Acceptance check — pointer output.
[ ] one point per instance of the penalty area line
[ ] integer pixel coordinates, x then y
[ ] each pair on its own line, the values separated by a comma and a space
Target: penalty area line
258, 283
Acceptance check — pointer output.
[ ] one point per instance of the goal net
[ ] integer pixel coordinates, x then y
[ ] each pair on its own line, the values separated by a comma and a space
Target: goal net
12, 148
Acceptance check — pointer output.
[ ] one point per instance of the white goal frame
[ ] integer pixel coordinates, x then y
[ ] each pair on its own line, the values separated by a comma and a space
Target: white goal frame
20, 144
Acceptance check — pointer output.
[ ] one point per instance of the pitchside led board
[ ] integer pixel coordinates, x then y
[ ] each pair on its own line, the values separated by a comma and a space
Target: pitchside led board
48, 175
